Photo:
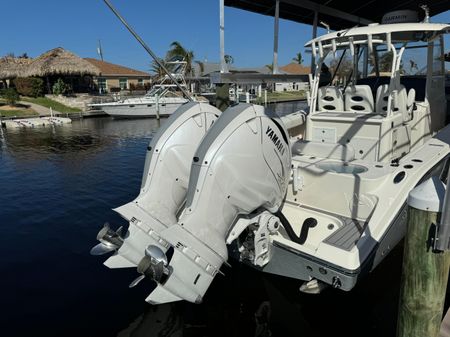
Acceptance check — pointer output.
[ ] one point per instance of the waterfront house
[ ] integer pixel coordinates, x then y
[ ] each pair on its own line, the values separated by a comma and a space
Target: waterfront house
82, 74
114, 77
295, 69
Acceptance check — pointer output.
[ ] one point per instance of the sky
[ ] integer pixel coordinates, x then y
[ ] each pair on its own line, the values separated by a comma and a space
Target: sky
34, 27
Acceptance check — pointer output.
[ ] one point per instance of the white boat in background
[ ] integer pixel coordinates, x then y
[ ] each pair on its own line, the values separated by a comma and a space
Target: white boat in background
160, 101
319, 196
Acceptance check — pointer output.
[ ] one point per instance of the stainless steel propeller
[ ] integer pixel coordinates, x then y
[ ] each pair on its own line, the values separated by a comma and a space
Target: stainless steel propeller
153, 265
110, 240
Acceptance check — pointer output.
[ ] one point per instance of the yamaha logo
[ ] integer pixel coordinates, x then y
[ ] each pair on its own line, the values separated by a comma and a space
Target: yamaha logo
275, 140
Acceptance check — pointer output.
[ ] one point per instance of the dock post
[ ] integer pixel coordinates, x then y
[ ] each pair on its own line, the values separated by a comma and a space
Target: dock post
424, 271
275, 37
157, 106
222, 96
223, 64
265, 97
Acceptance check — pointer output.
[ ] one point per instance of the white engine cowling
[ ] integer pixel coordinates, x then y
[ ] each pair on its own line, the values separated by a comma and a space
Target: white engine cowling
242, 165
164, 183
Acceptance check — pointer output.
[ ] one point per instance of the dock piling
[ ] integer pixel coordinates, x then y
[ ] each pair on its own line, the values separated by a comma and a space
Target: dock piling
157, 106
222, 96
424, 271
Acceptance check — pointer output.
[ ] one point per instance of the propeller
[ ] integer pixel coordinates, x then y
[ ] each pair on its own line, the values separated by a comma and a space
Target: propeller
110, 240
153, 265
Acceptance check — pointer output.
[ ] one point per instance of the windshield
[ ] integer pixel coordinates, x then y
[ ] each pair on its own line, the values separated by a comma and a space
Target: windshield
340, 67
412, 63
155, 91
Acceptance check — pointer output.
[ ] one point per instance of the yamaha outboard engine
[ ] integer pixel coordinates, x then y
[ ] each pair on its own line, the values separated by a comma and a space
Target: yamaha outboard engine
163, 189
241, 166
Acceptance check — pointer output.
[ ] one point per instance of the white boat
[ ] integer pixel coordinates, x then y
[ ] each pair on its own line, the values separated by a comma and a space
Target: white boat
161, 101
318, 196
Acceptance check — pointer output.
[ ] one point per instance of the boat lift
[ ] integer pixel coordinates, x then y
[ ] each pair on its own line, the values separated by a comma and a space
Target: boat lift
331, 14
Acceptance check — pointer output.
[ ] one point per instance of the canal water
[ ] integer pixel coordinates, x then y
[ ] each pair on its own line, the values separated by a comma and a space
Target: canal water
58, 185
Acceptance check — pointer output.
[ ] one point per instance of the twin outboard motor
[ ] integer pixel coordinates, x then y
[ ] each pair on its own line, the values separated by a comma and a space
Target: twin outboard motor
240, 167
164, 185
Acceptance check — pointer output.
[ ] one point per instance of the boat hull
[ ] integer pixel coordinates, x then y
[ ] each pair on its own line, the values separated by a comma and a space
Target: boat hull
140, 110
289, 262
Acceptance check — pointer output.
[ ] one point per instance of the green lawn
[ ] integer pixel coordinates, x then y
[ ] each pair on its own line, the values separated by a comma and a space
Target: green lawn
282, 96
49, 103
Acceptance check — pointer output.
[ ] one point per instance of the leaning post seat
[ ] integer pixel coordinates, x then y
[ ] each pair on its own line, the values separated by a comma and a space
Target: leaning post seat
382, 98
399, 104
330, 99
359, 98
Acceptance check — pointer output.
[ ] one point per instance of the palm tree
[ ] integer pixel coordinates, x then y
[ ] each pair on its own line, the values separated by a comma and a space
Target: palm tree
270, 66
157, 69
178, 51
298, 58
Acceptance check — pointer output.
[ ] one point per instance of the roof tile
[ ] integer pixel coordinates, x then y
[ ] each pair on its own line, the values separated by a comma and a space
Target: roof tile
110, 69
295, 68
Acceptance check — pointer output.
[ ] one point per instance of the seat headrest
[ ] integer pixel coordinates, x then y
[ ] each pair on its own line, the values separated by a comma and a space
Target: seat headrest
411, 97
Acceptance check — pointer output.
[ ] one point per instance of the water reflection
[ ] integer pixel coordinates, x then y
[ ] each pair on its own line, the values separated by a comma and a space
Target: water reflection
57, 186
80, 136
248, 303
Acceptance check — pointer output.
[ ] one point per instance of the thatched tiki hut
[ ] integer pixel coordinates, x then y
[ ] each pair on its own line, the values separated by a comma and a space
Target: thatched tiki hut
60, 63
12, 67
50, 66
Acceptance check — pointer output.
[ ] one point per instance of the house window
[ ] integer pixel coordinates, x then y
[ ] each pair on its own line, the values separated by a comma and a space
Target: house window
102, 85
140, 81
123, 83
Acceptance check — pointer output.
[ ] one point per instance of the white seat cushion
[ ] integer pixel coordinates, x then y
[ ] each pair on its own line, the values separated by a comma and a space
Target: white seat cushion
330, 99
359, 98
381, 98
399, 104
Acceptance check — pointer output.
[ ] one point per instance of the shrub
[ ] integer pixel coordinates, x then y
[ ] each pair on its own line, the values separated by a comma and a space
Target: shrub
60, 87
29, 86
114, 89
10, 95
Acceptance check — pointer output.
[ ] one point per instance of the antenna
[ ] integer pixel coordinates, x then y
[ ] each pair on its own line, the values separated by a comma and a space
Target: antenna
153, 55
427, 13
